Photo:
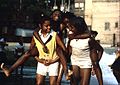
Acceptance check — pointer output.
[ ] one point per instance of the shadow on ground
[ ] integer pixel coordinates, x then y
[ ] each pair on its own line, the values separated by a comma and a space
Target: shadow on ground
16, 80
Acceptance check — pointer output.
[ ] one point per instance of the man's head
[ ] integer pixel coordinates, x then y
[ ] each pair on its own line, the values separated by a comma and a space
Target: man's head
56, 15
66, 17
45, 24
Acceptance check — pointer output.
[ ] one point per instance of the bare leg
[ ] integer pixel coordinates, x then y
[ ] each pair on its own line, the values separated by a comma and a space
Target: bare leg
19, 62
62, 59
76, 75
60, 74
5, 69
98, 73
96, 66
53, 80
64, 64
40, 80
85, 74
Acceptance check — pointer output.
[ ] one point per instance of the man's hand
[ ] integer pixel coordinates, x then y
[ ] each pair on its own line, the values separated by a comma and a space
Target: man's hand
48, 62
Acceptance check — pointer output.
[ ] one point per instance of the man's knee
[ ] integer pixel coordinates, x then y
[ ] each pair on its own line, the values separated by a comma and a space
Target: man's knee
39, 82
53, 83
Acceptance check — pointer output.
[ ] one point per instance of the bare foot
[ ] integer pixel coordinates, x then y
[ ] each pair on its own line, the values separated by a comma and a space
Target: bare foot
5, 70
68, 76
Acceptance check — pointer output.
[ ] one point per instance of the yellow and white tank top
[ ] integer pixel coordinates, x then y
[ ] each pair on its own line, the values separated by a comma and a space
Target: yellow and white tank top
51, 45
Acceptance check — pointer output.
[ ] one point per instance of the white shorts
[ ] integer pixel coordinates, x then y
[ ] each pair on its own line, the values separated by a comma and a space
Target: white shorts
52, 69
84, 64
82, 60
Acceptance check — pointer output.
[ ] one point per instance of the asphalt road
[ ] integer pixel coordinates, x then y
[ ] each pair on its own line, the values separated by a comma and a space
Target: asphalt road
29, 75
29, 78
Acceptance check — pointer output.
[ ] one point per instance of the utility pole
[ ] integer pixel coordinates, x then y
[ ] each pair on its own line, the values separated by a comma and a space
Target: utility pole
119, 23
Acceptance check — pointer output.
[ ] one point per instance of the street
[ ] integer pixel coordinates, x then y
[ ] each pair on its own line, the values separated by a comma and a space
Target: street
29, 75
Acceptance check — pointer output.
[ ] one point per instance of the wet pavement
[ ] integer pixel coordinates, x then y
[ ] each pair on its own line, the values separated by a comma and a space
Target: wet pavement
29, 75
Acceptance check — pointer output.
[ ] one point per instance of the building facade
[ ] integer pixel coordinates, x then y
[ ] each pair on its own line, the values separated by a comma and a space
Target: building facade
104, 17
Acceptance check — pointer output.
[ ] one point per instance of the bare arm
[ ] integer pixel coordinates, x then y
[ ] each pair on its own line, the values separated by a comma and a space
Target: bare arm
69, 48
95, 45
60, 43
100, 52
46, 62
39, 60
32, 44
82, 36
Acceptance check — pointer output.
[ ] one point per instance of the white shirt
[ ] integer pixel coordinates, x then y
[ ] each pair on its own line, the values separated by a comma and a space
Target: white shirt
44, 39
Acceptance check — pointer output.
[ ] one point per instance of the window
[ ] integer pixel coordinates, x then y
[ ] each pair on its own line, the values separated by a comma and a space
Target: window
82, 6
107, 26
116, 24
76, 5
79, 6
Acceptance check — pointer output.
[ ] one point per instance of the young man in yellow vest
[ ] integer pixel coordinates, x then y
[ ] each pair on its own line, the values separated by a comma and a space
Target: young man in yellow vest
47, 61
